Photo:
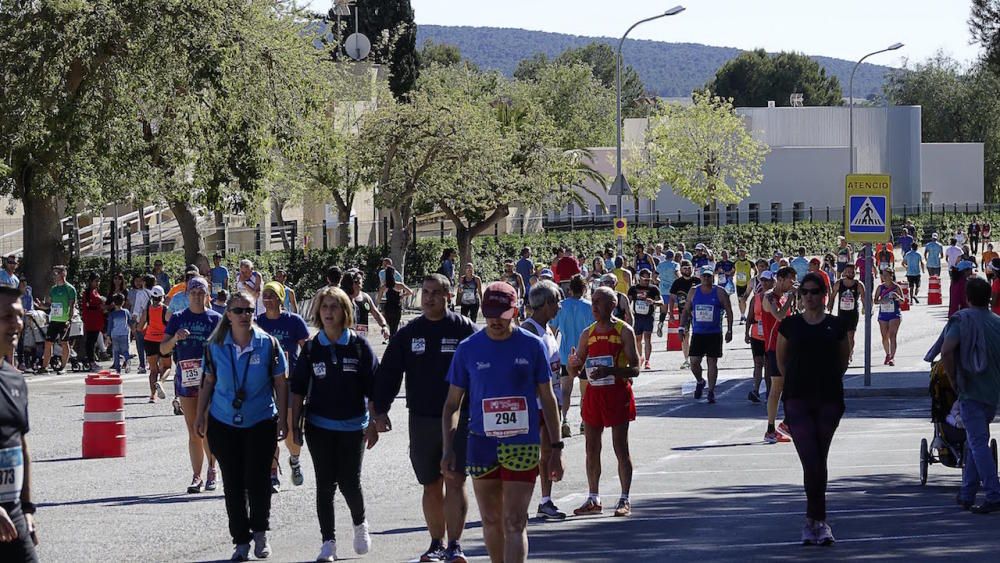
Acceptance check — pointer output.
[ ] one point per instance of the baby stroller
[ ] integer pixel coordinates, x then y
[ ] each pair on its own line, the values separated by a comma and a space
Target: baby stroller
947, 447
36, 325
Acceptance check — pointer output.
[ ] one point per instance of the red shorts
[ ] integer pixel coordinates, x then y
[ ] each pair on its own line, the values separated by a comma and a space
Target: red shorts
608, 406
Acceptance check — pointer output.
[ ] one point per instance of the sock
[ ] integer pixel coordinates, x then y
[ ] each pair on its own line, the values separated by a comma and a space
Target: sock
594, 497
770, 429
453, 544
546, 499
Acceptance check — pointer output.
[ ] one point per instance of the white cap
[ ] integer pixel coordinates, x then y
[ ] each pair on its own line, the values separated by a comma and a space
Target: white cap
157, 291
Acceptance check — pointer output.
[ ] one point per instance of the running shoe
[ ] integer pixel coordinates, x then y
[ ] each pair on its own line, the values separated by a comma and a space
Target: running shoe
362, 539
711, 397
589, 506
699, 388
753, 397
624, 508
261, 549
177, 407
211, 481
141, 371
454, 553
41, 371
891, 362
824, 535
328, 552
582, 426
549, 511
275, 483
685, 365
648, 366
435, 552
783, 428
776, 437
986, 507
195, 486
809, 532
152, 400
297, 478
241, 553
128, 368
965, 504
567, 432
160, 392
743, 319
659, 329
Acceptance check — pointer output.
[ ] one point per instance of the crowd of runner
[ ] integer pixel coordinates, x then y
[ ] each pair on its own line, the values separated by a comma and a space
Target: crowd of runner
492, 404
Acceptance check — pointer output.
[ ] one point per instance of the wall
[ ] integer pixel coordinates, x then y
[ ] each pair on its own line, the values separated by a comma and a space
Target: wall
953, 172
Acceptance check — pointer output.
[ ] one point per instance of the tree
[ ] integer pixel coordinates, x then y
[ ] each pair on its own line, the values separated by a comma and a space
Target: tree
528, 69
390, 27
440, 54
754, 78
581, 108
984, 24
600, 57
704, 151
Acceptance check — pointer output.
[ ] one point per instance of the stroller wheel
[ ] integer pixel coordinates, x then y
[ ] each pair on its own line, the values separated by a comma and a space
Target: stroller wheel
925, 455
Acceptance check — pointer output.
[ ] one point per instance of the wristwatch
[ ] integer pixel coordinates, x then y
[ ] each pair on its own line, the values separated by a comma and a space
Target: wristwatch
558, 445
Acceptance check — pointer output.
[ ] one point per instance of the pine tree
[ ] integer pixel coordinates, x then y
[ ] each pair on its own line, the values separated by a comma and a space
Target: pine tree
393, 20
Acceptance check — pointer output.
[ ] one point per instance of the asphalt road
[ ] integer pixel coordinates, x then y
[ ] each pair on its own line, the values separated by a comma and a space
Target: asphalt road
706, 487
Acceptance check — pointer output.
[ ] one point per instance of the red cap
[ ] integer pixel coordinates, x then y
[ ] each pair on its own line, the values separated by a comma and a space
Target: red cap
499, 301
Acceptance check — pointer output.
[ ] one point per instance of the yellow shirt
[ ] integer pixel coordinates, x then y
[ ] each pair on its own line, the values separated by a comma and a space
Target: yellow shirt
622, 284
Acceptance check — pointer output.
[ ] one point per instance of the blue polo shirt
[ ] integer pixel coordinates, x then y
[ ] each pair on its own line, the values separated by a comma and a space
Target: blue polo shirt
573, 318
247, 369
934, 253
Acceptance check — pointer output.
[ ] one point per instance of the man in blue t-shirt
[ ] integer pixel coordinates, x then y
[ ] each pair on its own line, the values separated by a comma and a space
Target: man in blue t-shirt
219, 276
502, 369
574, 316
801, 264
904, 241
525, 266
914, 267
666, 272
933, 251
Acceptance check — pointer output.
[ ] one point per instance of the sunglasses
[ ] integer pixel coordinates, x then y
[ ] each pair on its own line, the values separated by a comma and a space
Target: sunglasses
817, 291
242, 310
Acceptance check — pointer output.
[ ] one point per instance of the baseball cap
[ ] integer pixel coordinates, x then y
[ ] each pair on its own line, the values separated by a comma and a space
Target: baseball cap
609, 279
197, 282
814, 260
934, 236
157, 291
277, 288
965, 265
778, 253
767, 275
499, 301
706, 271
699, 246
546, 273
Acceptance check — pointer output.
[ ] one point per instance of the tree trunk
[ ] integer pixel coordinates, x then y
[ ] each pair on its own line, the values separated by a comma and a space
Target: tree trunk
188, 223
343, 237
399, 241
277, 206
42, 235
464, 237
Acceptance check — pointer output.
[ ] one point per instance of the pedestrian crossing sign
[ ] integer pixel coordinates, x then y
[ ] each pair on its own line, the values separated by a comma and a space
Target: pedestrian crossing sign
868, 205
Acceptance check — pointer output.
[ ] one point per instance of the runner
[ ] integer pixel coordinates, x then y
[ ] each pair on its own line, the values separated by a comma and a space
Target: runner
623, 277
363, 305
960, 275
501, 369
645, 300
544, 301
514, 279
678, 302
252, 282
887, 297
623, 307
219, 276
290, 303
525, 266
745, 270
848, 293
574, 316
185, 336
642, 259
914, 267
177, 298
335, 379
393, 293
702, 257
885, 259
933, 251
152, 324
423, 350
778, 304
830, 267
988, 255
995, 288
953, 253
704, 308
61, 303
844, 252
162, 279
666, 272
470, 293
565, 267
754, 334
725, 269
607, 356
815, 268
801, 264
17, 512
290, 330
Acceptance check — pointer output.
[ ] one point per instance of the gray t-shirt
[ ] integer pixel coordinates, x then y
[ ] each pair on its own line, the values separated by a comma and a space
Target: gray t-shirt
983, 387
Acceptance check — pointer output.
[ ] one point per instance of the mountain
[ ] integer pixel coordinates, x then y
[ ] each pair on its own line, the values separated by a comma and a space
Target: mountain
667, 69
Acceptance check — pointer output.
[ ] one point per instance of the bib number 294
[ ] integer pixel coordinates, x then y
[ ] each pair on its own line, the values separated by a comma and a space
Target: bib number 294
505, 416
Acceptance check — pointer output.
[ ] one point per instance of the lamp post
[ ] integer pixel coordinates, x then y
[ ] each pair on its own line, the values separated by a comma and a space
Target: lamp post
869, 275
620, 186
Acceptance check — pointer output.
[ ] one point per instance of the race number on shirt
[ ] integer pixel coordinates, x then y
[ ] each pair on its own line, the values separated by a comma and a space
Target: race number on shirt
216, 288
847, 302
641, 307
56, 311
469, 297
704, 313
887, 307
504, 417
741, 278
11, 474
362, 330
595, 362
190, 372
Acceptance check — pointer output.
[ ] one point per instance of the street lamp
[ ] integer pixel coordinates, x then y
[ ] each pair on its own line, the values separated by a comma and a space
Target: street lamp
620, 186
869, 275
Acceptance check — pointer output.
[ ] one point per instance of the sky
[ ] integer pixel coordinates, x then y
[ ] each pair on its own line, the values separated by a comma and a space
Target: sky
846, 29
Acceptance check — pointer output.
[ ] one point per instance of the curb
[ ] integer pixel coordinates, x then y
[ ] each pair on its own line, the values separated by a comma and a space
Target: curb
855, 392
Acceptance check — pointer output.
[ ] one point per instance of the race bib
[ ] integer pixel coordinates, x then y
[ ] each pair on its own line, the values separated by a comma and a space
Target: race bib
842, 258
883, 265
641, 308
704, 313
56, 311
760, 328
504, 417
741, 278
216, 288
595, 362
847, 302
11, 473
887, 307
469, 297
362, 330
190, 373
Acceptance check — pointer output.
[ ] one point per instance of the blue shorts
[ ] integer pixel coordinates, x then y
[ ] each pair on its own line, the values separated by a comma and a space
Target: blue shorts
643, 324
886, 317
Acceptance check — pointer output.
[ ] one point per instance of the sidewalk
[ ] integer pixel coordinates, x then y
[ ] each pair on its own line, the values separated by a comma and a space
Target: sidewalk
891, 384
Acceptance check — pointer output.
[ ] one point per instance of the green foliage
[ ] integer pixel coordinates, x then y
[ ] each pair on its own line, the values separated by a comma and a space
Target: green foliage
985, 27
755, 77
666, 69
441, 55
582, 109
390, 27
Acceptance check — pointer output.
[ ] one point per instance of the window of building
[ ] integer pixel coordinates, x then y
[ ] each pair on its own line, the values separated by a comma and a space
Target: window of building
754, 213
799, 211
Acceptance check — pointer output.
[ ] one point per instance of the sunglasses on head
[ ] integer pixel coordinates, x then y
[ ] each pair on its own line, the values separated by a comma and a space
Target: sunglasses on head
816, 291
241, 310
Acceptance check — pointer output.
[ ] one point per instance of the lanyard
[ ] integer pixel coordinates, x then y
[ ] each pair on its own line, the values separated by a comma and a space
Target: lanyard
237, 384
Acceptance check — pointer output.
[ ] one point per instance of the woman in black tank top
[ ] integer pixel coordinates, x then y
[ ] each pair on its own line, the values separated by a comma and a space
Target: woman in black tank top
848, 301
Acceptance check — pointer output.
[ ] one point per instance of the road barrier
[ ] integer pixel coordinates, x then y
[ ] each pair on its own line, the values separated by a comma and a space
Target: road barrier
904, 287
103, 416
673, 335
934, 291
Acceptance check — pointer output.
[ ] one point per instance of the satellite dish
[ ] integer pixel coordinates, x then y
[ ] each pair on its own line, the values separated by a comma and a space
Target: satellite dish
357, 46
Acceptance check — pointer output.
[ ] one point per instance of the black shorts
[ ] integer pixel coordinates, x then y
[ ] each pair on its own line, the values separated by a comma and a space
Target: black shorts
742, 291
426, 446
151, 348
914, 281
757, 348
850, 320
772, 363
706, 345
933, 271
56, 331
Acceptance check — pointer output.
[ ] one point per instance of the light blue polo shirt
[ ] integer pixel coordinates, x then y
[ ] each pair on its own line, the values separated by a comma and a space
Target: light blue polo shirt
573, 318
250, 363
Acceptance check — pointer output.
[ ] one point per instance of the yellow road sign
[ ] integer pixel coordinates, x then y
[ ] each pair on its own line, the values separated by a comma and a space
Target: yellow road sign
621, 227
867, 199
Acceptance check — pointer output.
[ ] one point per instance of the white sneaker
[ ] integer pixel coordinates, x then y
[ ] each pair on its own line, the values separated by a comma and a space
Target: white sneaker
261, 549
159, 391
328, 552
128, 368
824, 535
362, 540
241, 553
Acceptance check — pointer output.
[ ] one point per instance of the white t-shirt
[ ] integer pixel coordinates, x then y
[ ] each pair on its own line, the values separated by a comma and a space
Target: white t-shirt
552, 349
952, 254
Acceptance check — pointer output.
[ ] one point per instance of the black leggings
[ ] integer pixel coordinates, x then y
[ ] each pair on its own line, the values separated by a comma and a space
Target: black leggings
244, 456
337, 461
812, 425
392, 317
90, 346
471, 311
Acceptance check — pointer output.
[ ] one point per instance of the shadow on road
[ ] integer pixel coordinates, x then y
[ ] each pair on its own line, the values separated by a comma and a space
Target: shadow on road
166, 498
